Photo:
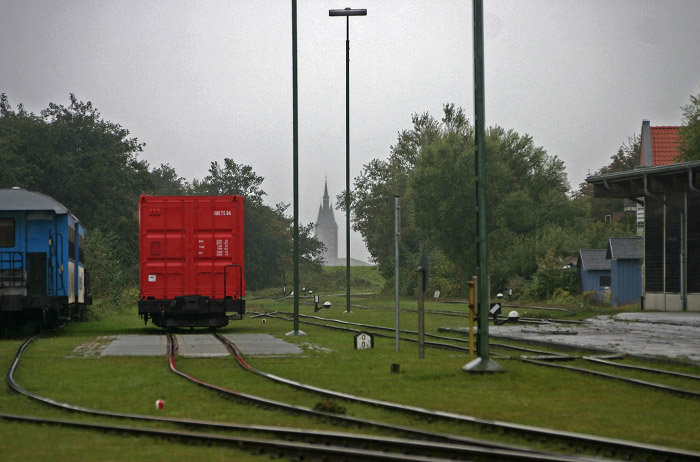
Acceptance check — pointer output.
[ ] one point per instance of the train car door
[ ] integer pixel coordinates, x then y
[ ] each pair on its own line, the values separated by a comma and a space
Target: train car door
36, 273
39, 279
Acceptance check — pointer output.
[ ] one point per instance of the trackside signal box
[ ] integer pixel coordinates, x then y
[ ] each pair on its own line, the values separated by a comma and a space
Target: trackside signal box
191, 259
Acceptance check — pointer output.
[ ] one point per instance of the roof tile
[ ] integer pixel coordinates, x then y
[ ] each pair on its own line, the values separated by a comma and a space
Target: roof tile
664, 145
624, 248
593, 260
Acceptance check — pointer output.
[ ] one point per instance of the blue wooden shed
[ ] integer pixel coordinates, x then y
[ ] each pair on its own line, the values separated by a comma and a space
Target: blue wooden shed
625, 256
594, 270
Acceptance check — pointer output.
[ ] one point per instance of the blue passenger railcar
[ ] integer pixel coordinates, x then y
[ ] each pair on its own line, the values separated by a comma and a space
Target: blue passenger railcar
42, 258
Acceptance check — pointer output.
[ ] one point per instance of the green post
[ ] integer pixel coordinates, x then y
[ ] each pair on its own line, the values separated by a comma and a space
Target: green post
421, 312
347, 162
295, 168
483, 363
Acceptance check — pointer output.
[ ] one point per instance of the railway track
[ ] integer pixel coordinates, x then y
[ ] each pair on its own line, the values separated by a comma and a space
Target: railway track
445, 346
544, 361
476, 450
608, 447
320, 415
295, 444
543, 358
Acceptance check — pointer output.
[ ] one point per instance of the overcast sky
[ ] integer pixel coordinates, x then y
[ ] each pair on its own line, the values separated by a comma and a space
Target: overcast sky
198, 81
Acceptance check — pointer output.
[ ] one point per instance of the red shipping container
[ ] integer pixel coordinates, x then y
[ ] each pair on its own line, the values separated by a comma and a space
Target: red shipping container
191, 259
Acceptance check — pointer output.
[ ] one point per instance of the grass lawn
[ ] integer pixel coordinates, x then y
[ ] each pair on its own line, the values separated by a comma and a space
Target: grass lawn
525, 393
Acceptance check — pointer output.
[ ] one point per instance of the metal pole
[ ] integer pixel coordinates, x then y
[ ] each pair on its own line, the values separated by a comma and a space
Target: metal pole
295, 168
397, 238
421, 313
684, 292
472, 307
347, 161
347, 12
483, 363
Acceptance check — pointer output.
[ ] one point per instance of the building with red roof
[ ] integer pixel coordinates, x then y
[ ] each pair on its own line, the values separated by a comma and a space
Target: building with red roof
660, 145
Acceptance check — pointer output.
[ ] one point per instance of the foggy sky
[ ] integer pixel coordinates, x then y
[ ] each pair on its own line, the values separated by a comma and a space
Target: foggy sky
198, 81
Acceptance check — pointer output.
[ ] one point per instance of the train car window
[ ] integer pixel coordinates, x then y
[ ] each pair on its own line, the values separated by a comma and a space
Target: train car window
71, 243
81, 248
7, 232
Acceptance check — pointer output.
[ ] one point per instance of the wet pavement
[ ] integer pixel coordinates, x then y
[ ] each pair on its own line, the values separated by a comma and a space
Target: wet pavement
667, 335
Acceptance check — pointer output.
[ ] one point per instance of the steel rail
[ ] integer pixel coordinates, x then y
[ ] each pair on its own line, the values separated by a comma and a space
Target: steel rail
332, 445
596, 444
643, 383
280, 448
642, 368
444, 346
544, 308
453, 442
441, 337
370, 326
343, 419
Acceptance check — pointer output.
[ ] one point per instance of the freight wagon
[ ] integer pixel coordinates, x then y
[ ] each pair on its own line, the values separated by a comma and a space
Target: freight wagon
191, 260
42, 258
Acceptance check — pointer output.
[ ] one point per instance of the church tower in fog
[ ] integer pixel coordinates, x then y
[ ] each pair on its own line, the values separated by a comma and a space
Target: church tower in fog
327, 229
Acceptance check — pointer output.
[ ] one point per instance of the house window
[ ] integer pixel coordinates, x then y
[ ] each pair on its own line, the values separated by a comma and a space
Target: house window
605, 281
7, 232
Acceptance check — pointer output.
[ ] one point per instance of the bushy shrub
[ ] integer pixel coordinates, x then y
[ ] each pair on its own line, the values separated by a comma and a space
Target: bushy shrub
552, 275
593, 297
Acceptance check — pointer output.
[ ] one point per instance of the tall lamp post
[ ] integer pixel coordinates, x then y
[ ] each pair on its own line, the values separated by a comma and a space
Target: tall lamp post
347, 12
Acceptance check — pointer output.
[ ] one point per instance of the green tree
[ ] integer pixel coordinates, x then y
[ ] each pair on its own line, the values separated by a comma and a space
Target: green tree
626, 158
268, 230
166, 182
432, 168
232, 178
108, 277
690, 132
22, 146
527, 200
88, 164
552, 277
373, 203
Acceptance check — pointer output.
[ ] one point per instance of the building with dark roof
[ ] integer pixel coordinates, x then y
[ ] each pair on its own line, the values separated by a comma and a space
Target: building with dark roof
625, 257
594, 270
327, 229
671, 250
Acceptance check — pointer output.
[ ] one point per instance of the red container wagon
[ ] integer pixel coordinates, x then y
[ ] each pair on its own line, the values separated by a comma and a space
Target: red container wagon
191, 260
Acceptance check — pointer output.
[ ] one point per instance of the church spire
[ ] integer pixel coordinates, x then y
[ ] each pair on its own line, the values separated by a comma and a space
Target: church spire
325, 197
327, 228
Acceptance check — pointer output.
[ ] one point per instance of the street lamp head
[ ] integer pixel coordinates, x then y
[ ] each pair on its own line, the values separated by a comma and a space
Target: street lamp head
348, 12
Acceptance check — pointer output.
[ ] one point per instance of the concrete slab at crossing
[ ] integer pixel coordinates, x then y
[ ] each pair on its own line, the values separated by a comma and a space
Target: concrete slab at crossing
137, 345
194, 345
200, 346
262, 344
